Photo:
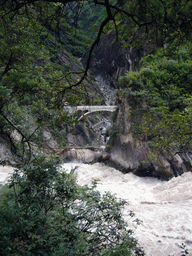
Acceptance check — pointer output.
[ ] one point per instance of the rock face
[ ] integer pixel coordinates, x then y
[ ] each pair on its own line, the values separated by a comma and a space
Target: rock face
112, 60
130, 154
79, 135
6, 156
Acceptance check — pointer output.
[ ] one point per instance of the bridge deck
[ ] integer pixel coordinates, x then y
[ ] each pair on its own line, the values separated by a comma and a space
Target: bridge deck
109, 108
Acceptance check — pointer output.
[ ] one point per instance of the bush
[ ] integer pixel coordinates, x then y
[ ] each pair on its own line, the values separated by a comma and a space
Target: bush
45, 212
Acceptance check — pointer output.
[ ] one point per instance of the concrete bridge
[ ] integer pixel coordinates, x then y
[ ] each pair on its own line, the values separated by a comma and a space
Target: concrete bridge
90, 109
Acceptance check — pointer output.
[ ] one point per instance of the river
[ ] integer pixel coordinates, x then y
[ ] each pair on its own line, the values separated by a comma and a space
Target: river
163, 207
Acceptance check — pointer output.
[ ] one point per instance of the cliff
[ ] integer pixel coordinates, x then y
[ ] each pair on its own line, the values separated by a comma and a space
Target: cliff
112, 61
130, 154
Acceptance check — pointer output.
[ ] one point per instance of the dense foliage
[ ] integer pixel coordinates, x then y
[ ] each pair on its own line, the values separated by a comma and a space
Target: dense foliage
36, 77
155, 21
160, 99
47, 213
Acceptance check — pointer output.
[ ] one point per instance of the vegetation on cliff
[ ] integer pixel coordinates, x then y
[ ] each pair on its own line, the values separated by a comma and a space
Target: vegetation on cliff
160, 99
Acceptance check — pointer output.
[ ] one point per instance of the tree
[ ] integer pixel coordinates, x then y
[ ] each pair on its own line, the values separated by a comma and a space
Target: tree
47, 213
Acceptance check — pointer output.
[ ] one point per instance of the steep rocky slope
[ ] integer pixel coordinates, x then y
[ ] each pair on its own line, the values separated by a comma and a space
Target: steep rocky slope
112, 60
130, 154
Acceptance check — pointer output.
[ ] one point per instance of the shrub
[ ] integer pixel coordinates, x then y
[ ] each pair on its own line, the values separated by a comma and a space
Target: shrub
45, 212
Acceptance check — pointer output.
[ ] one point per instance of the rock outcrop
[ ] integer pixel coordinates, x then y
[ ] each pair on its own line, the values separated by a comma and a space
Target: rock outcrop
6, 156
112, 60
130, 154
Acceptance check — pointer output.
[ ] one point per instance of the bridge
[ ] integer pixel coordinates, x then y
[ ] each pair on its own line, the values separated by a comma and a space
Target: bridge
90, 109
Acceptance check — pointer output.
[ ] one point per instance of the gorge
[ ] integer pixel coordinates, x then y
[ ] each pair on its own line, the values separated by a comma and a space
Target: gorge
98, 92
162, 208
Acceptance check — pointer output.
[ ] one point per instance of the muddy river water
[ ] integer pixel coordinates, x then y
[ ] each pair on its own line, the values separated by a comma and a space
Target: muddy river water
163, 207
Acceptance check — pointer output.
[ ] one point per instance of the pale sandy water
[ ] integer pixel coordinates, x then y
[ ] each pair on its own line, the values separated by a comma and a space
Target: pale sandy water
5, 172
165, 208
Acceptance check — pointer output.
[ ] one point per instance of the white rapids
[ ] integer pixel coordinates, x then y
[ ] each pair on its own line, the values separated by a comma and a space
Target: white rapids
165, 208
